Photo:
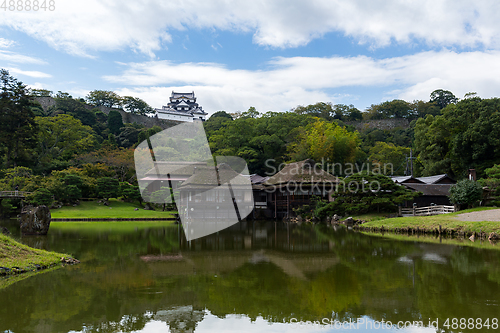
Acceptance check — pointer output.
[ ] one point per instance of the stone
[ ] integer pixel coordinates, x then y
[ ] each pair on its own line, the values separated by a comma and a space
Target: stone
493, 236
70, 261
136, 208
5, 231
336, 217
35, 220
348, 221
472, 238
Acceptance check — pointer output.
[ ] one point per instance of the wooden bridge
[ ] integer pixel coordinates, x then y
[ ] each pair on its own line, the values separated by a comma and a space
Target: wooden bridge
426, 211
13, 194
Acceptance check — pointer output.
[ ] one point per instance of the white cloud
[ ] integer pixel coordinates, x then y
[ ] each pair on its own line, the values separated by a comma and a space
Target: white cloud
82, 27
35, 74
6, 43
305, 80
19, 58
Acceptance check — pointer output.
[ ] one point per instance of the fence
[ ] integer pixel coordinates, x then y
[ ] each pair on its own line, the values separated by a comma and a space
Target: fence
426, 211
13, 194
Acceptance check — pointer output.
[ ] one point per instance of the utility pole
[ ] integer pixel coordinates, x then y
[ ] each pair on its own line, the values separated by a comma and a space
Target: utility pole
409, 160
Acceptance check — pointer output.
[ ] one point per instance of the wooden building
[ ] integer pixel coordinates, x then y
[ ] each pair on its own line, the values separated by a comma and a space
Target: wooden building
435, 189
295, 185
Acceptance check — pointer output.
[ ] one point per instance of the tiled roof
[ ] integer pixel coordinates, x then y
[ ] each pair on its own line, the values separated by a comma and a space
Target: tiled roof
177, 95
406, 179
174, 168
431, 189
437, 179
206, 177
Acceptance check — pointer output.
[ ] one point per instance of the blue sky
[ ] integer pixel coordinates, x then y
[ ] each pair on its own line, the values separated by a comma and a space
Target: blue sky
273, 55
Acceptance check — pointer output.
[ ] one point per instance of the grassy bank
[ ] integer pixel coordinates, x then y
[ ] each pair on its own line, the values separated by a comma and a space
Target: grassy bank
433, 239
446, 221
116, 209
18, 258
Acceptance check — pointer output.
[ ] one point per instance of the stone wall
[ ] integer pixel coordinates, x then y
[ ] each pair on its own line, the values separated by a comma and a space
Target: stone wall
382, 124
127, 117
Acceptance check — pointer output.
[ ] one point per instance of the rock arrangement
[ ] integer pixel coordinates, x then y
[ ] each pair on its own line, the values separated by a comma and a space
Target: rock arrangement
69, 261
330, 220
35, 220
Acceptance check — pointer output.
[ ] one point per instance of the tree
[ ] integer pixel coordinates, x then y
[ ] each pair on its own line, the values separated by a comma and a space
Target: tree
442, 98
136, 106
108, 188
41, 93
251, 113
466, 192
390, 156
41, 196
18, 129
324, 141
130, 192
366, 192
391, 109
492, 181
104, 98
216, 121
346, 112
61, 137
115, 121
320, 109
163, 195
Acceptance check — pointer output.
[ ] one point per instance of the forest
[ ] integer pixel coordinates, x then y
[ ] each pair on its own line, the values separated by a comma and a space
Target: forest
73, 150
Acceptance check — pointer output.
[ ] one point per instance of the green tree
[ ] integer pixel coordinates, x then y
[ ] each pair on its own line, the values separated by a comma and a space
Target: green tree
389, 156
61, 137
442, 98
18, 129
364, 193
104, 98
41, 93
346, 112
320, 110
115, 121
163, 195
108, 188
466, 192
130, 192
391, 109
136, 106
251, 113
324, 141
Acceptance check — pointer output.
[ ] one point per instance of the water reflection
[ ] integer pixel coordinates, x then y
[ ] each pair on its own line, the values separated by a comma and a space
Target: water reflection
145, 277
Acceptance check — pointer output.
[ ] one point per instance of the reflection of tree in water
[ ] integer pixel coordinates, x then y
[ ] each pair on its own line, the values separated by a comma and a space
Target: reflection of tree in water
181, 319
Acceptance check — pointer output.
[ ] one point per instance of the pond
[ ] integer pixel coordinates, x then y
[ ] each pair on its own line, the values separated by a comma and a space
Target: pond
253, 277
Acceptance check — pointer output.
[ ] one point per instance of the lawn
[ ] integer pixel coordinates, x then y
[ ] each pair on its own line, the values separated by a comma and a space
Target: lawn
116, 209
16, 257
446, 221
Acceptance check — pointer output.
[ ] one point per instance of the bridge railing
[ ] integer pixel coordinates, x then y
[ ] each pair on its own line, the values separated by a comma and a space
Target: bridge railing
13, 194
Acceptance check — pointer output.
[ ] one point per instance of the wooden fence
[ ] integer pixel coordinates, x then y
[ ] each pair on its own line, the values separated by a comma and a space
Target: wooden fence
427, 211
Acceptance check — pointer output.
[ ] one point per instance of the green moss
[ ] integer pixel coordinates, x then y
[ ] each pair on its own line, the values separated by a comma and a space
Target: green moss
18, 258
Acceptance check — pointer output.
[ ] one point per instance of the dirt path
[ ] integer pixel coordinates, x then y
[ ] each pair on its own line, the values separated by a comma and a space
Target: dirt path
485, 215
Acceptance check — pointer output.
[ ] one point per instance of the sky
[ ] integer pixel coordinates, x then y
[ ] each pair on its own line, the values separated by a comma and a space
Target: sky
271, 54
